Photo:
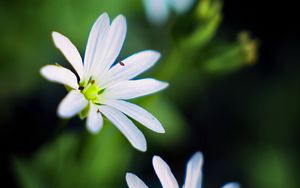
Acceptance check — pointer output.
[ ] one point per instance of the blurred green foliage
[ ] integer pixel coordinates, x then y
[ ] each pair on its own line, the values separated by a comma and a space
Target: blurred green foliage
77, 160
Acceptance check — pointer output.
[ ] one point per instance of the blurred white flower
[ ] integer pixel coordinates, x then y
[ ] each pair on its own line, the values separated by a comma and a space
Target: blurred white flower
157, 11
193, 177
100, 88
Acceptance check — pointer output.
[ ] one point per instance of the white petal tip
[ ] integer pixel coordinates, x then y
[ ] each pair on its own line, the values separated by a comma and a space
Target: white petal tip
63, 115
104, 15
46, 71
129, 176
43, 71
232, 185
141, 145
142, 148
198, 154
166, 84
93, 131
155, 53
121, 16
134, 181
156, 159
94, 120
160, 130
56, 36
58, 39
198, 157
163, 85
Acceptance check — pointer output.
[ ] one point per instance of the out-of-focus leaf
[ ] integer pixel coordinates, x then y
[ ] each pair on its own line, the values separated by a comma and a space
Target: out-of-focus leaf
74, 160
271, 168
26, 175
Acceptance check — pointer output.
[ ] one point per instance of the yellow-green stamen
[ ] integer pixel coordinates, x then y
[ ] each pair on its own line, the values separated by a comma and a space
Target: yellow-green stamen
91, 91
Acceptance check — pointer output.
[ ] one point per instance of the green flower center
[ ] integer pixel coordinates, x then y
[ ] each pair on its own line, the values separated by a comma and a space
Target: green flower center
91, 91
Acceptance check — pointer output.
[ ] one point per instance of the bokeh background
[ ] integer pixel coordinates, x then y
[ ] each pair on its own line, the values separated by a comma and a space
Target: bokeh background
234, 94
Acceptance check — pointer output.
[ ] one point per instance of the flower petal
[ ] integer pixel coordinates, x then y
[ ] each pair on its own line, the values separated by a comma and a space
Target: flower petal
134, 182
138, 113
94, 120
112, 47
60, 75
164, 173
125, 125
70, 52
72, 104
194, 171
133, 66
134, 88
95, 44
231, 185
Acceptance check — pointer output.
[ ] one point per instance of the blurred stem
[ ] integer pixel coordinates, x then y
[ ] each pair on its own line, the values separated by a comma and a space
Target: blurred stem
84, 141
207, 18
203, 34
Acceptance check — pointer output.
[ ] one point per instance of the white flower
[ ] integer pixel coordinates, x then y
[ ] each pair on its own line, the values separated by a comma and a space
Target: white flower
193, 177
158, 11
100, 88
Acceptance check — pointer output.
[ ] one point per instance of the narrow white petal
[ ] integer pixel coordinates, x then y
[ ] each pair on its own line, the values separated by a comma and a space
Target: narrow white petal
134, 182
72, 104
94, 120
125, 125
164, 173
193, 178
133, 66
60, 75
231, 185
134, 88
138, 113
112, 46
69, 51
95, 44
157, 11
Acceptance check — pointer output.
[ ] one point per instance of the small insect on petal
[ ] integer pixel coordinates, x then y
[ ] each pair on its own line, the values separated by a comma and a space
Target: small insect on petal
121, 63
